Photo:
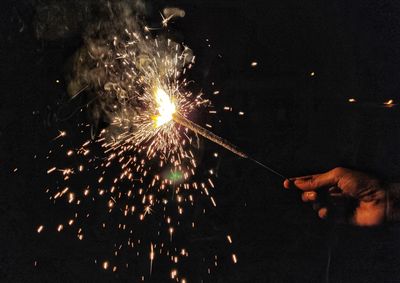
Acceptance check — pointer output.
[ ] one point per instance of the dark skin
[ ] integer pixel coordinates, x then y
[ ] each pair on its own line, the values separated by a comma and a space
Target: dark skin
369, 197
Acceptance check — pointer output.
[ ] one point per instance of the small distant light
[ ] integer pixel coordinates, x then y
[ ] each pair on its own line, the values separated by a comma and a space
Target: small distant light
312, 74
241, 113
254, 64
389, 102
58, 81
105, 265
352, 100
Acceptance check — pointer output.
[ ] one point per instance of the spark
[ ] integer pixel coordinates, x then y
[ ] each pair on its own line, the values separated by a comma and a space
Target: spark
60, 135
165, 20
51, 170
234, 258
171, 231
174, 273
40, 228
151, 257
147, 210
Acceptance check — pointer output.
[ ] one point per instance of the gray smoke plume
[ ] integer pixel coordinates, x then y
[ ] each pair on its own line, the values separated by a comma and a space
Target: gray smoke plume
118, 51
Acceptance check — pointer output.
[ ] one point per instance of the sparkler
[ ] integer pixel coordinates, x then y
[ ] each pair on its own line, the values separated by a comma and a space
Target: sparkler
167, 112
143, 164
152, 157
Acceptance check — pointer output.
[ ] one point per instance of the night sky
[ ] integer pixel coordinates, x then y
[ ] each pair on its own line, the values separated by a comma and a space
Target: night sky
312, 57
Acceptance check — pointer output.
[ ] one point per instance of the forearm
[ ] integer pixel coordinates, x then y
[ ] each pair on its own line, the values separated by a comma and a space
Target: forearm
393, 203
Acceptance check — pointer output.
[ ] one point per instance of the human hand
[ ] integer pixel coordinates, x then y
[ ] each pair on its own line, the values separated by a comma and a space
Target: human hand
368, 195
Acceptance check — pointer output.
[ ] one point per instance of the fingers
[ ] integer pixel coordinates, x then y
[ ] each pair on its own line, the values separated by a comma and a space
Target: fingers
317, 205
309, 196
313, 182
323, 212
312, 197
332, 195
287, 183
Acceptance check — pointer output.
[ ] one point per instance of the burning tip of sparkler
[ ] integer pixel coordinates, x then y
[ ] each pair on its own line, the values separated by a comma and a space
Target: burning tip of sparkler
165, 107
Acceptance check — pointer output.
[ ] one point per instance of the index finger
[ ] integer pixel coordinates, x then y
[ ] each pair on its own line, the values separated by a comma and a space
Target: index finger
313, 182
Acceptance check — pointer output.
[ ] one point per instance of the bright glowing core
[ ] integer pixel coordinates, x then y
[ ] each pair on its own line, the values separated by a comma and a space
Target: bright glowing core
165, 106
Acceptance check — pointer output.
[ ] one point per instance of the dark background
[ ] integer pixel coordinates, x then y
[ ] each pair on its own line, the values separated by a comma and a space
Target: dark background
298, 122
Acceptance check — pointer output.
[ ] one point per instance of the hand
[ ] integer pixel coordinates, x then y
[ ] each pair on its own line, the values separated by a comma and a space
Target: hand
368, 195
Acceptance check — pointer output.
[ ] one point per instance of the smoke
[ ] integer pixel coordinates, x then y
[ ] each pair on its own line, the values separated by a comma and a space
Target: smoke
96, 73
121, 57
171, 12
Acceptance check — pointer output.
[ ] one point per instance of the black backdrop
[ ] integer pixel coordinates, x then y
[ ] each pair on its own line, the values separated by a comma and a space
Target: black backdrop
312, 57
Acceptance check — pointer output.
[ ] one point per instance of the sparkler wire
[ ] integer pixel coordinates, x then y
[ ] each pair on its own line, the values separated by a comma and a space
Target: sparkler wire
180, 119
